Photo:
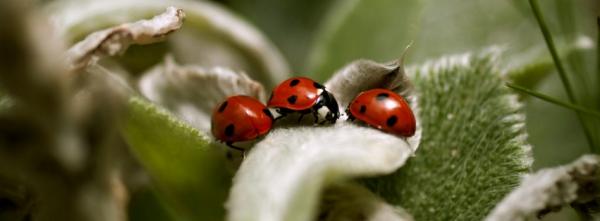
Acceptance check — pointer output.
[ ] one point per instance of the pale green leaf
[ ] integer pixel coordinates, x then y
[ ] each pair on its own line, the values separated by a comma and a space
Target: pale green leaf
210, 36
283, 175
473, 149
115, 40
192, 92
189, 173
575, 184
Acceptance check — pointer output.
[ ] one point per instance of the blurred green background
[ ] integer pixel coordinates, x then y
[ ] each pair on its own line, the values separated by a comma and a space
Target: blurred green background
318, 37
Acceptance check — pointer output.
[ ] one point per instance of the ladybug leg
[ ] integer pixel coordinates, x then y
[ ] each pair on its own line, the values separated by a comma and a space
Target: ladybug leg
302, 113
230, 145
316, 116
300, 118
332, 117
350, 116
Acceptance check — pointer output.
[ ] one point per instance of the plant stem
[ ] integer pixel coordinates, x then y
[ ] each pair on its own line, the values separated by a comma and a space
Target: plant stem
554, 100
561, 71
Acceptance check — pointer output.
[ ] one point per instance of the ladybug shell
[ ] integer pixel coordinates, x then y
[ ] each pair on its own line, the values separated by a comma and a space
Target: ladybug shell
240, 118
384, 110
298, 93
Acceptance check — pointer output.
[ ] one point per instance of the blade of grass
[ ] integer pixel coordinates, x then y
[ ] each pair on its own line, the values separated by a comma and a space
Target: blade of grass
550, 43
561, 71
598, 58
553, 100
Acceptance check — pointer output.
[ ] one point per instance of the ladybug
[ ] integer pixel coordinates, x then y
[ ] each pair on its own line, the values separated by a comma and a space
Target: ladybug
304, 96
240, 118
384, 110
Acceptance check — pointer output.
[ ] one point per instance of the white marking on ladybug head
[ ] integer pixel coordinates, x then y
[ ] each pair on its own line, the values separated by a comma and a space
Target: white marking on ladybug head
320, 91
322, 112
274, 112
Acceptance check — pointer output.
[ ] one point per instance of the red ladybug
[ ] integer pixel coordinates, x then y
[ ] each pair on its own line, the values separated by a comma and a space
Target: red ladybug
384, 110
240, 118
303, 95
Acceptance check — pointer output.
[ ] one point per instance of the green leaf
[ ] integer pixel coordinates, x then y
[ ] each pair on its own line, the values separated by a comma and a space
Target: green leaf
145, 205
473, 148
189, 173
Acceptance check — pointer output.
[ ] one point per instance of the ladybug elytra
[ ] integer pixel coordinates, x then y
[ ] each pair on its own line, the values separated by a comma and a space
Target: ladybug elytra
304, 96
384, 110
240, 118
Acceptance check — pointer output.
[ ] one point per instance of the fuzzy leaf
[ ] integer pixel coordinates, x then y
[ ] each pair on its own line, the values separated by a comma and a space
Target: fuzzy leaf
282, 176
116, 40
549, 189
210, 36
362, 75
188, 171
473, 148
192, 92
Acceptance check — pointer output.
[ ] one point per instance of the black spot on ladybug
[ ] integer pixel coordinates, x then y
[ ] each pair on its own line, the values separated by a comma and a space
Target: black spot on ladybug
382, 96
222, 107
292, 99
268, 113
318, 86
294, 82
229, 130
363, 109
391, 121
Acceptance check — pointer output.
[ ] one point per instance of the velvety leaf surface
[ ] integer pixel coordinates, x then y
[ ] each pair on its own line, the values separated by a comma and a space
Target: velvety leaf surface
473, 148
192, 92
188, 172
210, 36
574, 184
284, 174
